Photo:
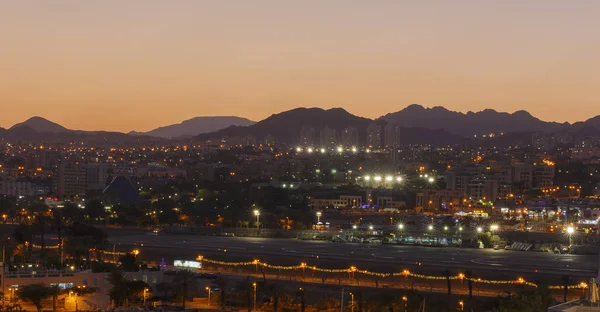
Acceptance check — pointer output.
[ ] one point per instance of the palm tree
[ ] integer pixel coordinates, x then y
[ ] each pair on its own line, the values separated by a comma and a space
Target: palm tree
55, 291
118, 293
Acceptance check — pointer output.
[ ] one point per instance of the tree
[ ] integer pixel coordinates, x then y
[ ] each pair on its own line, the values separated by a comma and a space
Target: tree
34, 293
128, 263
118, 293
94, 210
54, 291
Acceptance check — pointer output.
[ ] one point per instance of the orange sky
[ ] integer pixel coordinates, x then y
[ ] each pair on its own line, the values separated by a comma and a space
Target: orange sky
139, 64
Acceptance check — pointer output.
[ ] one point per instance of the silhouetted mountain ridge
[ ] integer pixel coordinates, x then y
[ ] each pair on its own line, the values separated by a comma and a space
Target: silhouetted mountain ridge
470, 123
285, 127
196, 126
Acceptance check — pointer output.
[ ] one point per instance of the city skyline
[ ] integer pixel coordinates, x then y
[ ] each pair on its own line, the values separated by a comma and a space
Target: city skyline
138, 67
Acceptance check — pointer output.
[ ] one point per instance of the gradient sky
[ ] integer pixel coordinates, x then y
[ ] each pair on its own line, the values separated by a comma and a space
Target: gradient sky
139, 64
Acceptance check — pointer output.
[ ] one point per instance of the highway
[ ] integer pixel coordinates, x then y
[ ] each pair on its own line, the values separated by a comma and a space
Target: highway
382, 258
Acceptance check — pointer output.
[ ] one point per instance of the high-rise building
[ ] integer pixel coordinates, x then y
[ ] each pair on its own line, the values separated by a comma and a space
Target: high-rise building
328, 137
75, 179
374, 135
392, 135
307, 136
350, 137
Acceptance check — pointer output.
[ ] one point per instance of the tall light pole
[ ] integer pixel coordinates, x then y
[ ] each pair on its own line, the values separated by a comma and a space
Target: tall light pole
208, 291
145, 290
570, 231
254, 285
319, 214
257, 214
351, 302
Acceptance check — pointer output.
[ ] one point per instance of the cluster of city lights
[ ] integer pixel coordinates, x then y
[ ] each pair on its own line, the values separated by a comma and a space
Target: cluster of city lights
322, 150
379, 178
393, 179
404, 273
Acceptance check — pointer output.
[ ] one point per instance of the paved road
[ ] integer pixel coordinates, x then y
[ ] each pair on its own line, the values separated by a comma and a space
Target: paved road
372, 257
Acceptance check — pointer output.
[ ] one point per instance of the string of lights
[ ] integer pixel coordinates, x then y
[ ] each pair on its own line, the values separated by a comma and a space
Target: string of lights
405, 273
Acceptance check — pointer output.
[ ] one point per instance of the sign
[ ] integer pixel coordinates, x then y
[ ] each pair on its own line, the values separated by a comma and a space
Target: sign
187, 264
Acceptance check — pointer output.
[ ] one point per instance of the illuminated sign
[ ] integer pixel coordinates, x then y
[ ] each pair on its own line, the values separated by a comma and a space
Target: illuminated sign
187, 264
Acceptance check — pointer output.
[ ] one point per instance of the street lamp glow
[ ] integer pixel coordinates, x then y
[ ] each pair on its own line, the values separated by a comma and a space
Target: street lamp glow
340, 149
494, 227
430, 227
256, 212
460, 228
354, 227
298, 149
354, 149
400, 226
322, 151
377, 178
431, 180
570, 231
367, 178
371, 227
399, 179
389, 178
479, 229
445, 228
319, 214
368, 150
310, 150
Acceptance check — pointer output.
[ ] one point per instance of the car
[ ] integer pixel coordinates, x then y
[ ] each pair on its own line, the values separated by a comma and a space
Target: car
215, 290
496, 247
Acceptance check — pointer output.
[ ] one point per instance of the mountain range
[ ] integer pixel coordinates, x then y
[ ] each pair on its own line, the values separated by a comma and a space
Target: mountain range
196, 126
418, 125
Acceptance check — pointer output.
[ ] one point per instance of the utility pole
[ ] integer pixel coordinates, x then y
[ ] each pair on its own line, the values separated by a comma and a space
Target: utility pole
3, 272
342, 301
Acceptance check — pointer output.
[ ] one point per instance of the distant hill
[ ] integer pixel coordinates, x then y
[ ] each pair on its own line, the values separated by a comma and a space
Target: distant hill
285, 127
38, 129
471, 123
40, 124
196, 126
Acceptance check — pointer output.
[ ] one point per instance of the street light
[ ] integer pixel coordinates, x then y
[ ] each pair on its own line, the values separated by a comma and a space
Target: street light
430, 227
351, 302
494, 227
257, 214
208, 291
400, 226
254, 285
340, 149
319, 217
145, 290
570, 231
479, 229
